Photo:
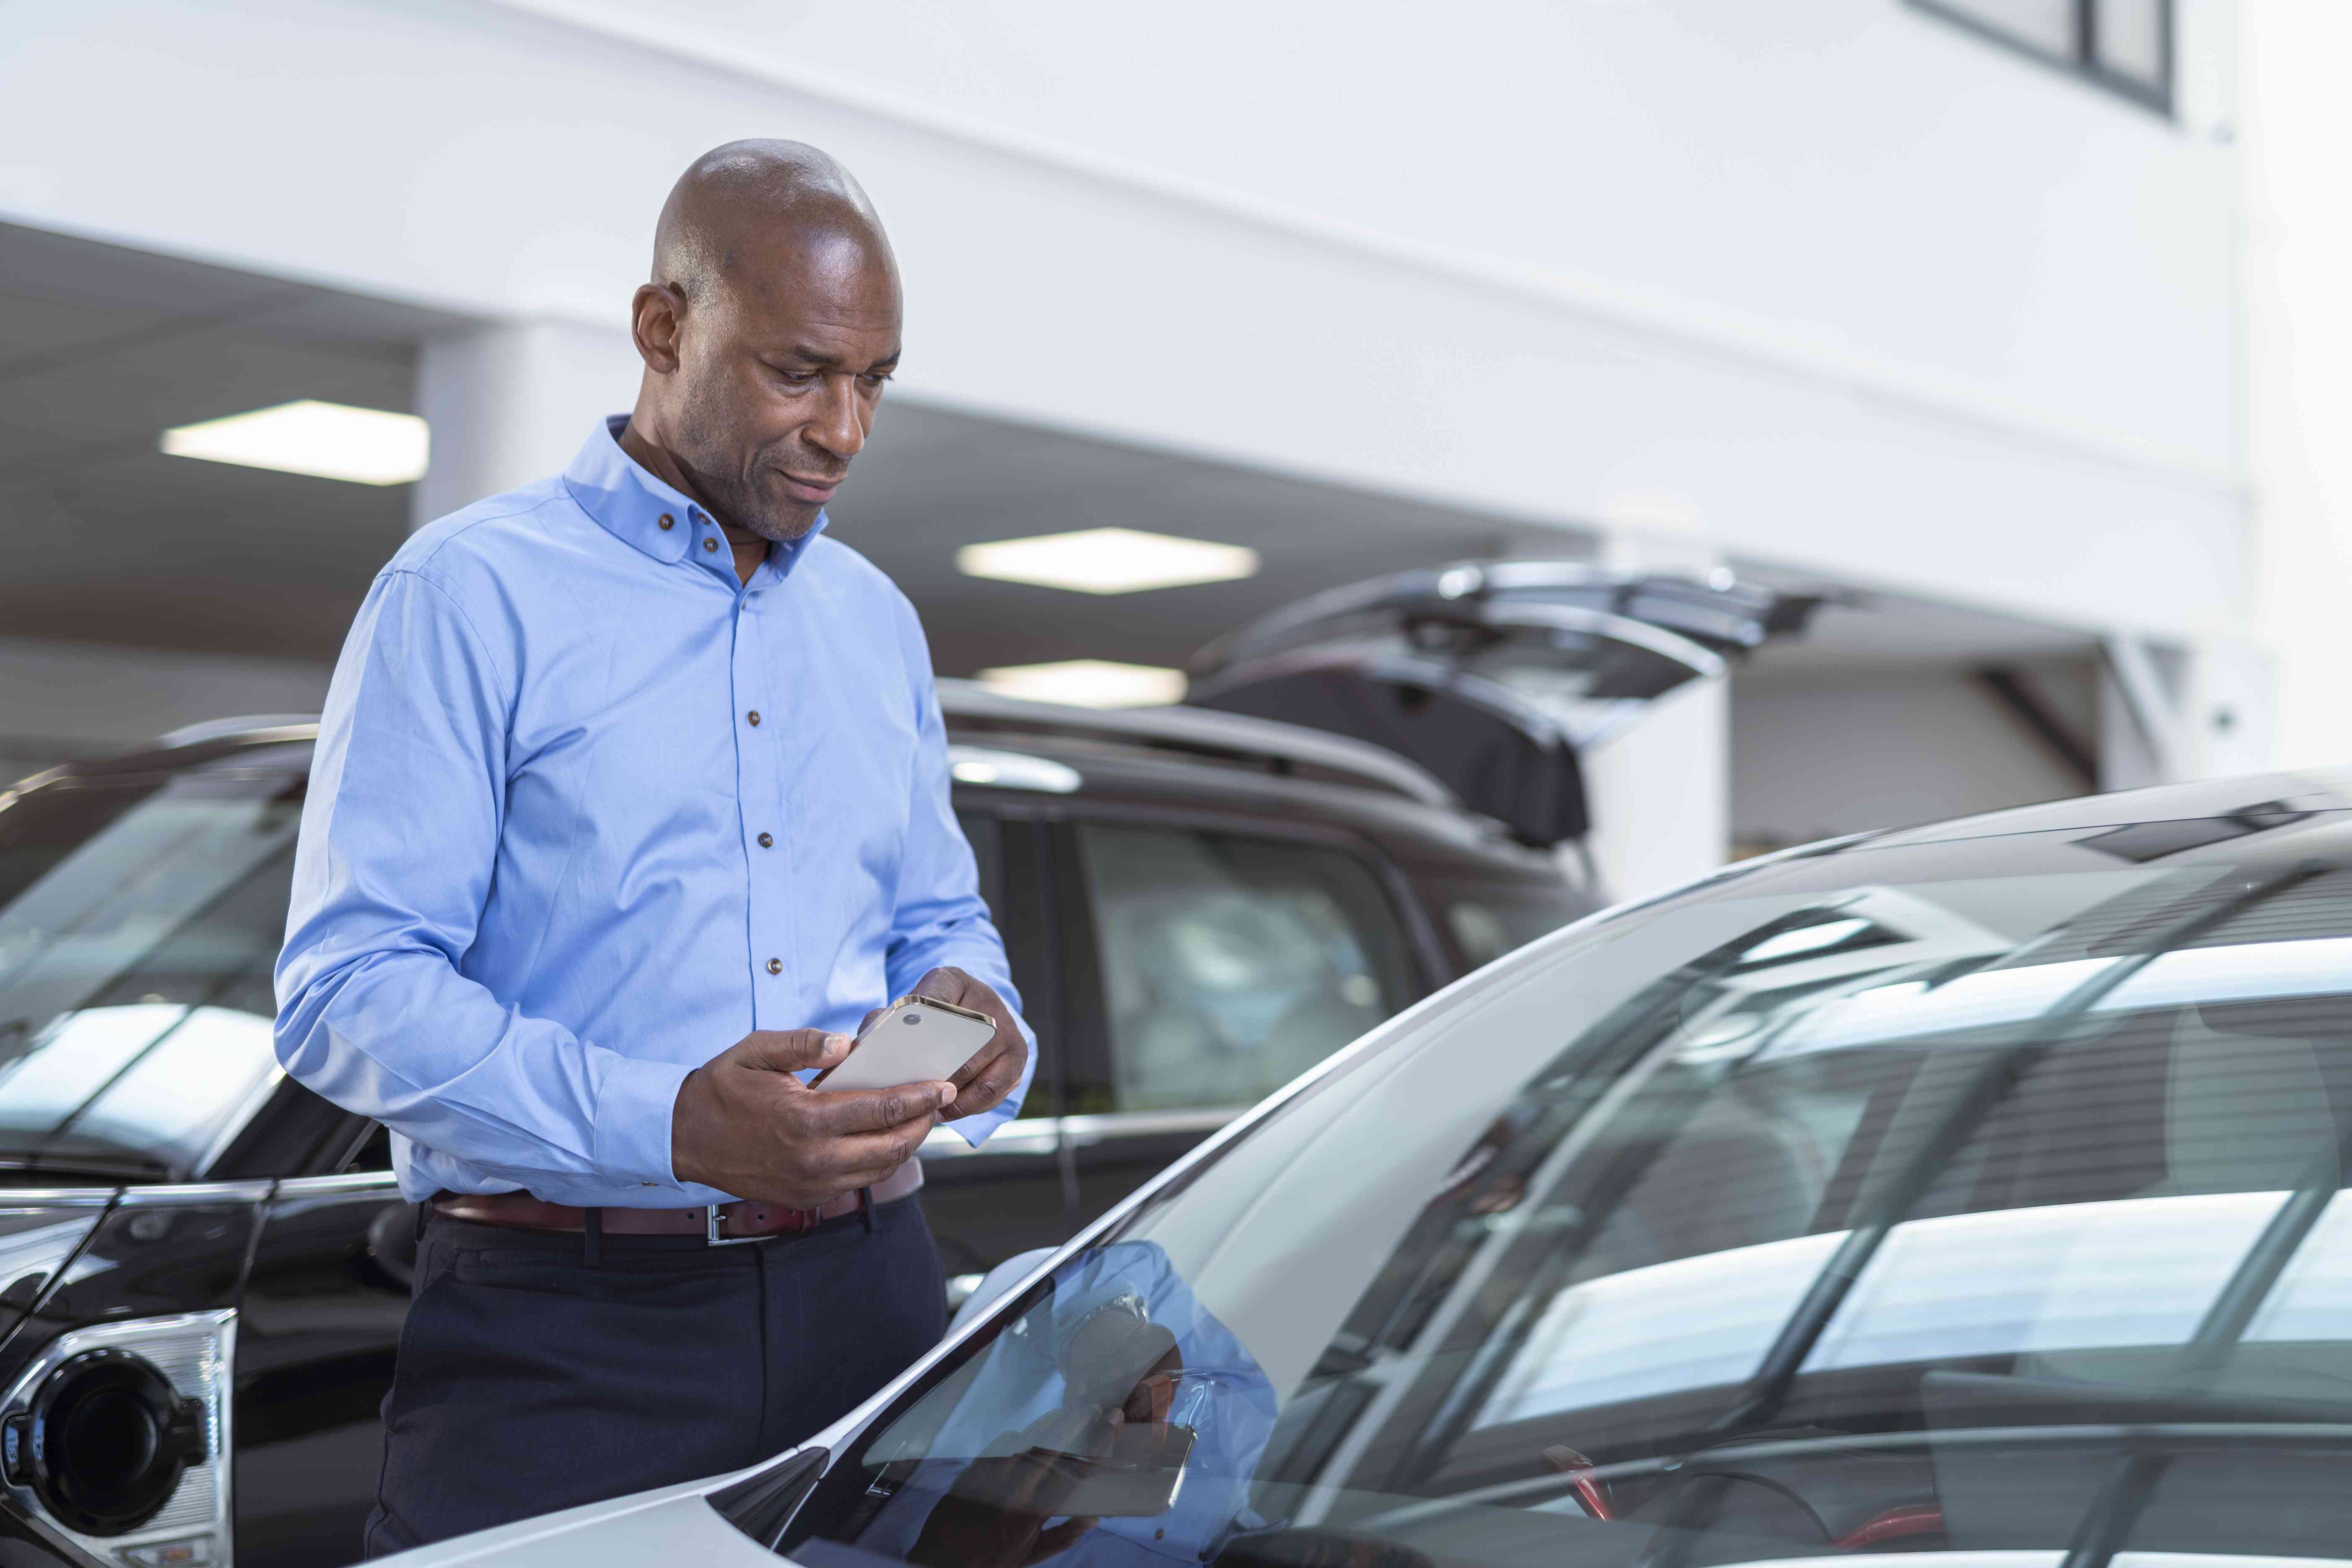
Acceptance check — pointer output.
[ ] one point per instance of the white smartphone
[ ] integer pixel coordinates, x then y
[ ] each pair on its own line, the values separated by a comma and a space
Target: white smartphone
916, 1040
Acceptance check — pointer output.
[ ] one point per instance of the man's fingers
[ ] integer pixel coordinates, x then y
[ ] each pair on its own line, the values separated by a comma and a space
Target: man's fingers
1061, 1537
788, 1050
865, 1158
943, 984
833, 1113
983, 1082
981, 1060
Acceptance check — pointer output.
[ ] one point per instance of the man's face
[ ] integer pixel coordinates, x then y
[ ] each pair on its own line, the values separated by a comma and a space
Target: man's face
780, 366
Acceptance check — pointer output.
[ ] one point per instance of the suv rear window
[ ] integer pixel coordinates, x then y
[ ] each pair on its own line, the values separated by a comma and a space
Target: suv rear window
139, 923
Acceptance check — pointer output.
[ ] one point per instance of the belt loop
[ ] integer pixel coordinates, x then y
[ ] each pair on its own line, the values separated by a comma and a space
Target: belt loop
592, 1237
866, 1207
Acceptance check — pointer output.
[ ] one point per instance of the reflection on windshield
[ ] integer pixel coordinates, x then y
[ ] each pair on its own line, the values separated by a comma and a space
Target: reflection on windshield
1933, 1213
1114, 1414
136, 938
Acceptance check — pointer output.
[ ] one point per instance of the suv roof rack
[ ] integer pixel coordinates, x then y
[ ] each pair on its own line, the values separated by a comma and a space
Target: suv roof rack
1196, 731
251, 728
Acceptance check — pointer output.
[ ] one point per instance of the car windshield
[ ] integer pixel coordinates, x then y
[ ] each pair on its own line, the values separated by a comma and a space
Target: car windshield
139, 920
1973, 1196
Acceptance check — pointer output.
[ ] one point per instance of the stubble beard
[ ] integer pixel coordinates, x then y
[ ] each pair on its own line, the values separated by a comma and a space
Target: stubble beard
708, 456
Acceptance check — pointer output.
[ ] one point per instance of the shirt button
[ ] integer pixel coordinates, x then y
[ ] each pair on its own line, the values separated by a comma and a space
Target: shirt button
668, 521
767, 841
710, 544
754, 716
776, 966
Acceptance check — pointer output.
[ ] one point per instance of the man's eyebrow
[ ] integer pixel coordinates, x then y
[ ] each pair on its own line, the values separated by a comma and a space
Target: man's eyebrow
802, 354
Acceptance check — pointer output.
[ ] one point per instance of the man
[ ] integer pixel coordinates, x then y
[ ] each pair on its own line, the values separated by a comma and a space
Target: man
631, 794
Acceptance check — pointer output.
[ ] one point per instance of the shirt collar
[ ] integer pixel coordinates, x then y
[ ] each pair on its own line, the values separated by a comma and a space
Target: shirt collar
638, 508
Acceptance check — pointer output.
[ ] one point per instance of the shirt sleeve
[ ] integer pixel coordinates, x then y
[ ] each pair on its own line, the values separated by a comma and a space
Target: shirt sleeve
939, 917
398, 847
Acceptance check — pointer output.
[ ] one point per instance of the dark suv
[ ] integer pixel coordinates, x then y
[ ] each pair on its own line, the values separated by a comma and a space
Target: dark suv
1199, 905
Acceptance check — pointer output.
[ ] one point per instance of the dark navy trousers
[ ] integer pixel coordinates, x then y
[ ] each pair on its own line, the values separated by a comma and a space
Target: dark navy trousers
529, 1381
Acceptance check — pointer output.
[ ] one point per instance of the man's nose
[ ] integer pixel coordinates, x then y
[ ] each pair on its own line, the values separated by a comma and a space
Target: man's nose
840, 426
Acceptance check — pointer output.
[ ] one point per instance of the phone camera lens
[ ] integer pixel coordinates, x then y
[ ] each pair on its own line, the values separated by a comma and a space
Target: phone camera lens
914, 1017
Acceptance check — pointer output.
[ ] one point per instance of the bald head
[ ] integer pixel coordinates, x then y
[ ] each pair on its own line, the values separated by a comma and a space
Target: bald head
739, 203
768, 329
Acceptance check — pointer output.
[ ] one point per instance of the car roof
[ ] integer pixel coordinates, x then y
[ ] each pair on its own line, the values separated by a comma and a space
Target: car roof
1198, 757
2253, 795
1166, 758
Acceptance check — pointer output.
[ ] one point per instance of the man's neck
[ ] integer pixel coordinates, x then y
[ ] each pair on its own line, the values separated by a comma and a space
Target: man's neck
747, 548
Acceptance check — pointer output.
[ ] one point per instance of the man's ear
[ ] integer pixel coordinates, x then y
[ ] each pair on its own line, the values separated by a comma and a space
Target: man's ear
655, 314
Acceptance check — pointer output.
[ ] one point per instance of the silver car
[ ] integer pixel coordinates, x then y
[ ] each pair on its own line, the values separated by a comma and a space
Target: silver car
1966, 1189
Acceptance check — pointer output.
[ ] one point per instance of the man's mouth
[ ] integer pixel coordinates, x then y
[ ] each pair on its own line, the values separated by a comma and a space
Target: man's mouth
811, 491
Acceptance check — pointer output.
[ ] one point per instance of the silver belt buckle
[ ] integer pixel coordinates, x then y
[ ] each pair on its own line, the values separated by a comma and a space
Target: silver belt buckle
712, 1237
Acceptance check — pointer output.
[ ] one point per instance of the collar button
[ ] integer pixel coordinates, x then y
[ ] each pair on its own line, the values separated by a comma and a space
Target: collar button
710, 544
667, 523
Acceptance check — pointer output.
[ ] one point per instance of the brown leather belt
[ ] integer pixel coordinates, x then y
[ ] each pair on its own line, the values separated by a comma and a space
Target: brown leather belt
717, 1224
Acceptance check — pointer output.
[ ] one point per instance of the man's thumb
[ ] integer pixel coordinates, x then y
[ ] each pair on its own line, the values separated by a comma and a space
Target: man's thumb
792, 1050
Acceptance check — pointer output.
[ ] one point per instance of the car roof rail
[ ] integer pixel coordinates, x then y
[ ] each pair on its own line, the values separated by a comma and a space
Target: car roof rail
250, 727
1229, 738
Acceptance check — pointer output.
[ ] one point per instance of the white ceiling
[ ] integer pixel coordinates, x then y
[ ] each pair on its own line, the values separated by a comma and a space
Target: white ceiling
109, 541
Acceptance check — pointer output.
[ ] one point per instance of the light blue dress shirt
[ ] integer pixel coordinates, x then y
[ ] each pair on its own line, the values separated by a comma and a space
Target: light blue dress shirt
586, 811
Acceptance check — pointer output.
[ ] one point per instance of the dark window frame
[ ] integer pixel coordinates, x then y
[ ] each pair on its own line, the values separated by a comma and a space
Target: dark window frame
2083, 63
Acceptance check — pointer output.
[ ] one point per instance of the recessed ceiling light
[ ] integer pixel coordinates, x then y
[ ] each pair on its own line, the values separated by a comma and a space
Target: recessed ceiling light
1108, 561
1089, 683
329, 440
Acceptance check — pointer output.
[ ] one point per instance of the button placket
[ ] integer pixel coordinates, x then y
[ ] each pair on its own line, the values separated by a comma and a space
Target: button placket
771, 935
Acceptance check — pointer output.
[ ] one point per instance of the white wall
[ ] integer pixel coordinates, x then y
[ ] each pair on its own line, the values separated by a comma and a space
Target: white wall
2299, 386
1863, 293
1816, 757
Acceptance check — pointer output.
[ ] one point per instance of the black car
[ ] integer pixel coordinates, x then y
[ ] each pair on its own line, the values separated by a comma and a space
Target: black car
204, 1268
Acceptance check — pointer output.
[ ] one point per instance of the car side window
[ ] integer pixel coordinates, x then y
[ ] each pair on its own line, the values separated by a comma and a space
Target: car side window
374, 1152
1230, 962
138, 928
1487, 919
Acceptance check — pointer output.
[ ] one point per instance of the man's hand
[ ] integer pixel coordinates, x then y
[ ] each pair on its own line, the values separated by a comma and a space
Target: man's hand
745, 1125
995, 1069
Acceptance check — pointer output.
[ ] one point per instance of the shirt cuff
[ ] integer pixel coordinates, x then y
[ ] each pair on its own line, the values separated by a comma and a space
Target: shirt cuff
974, 1130
632, 1136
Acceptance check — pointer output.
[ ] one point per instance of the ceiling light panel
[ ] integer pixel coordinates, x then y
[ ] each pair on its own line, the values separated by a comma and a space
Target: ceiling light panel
327, 440
1089, 683
1108, 561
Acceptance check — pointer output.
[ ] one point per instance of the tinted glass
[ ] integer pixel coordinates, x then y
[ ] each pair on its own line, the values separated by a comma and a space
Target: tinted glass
138, 926
1231, 964
1487, 919
1979, 1196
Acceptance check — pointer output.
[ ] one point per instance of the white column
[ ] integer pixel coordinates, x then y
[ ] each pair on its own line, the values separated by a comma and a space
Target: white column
511, 402
1661, 791
2298, 122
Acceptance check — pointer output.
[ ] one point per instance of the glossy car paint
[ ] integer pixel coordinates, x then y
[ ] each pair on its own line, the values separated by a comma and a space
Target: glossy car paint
313, 1254
634, 1528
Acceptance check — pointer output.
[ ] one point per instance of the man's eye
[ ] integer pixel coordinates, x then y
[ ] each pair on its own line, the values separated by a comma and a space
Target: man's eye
875, 378
797, 377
